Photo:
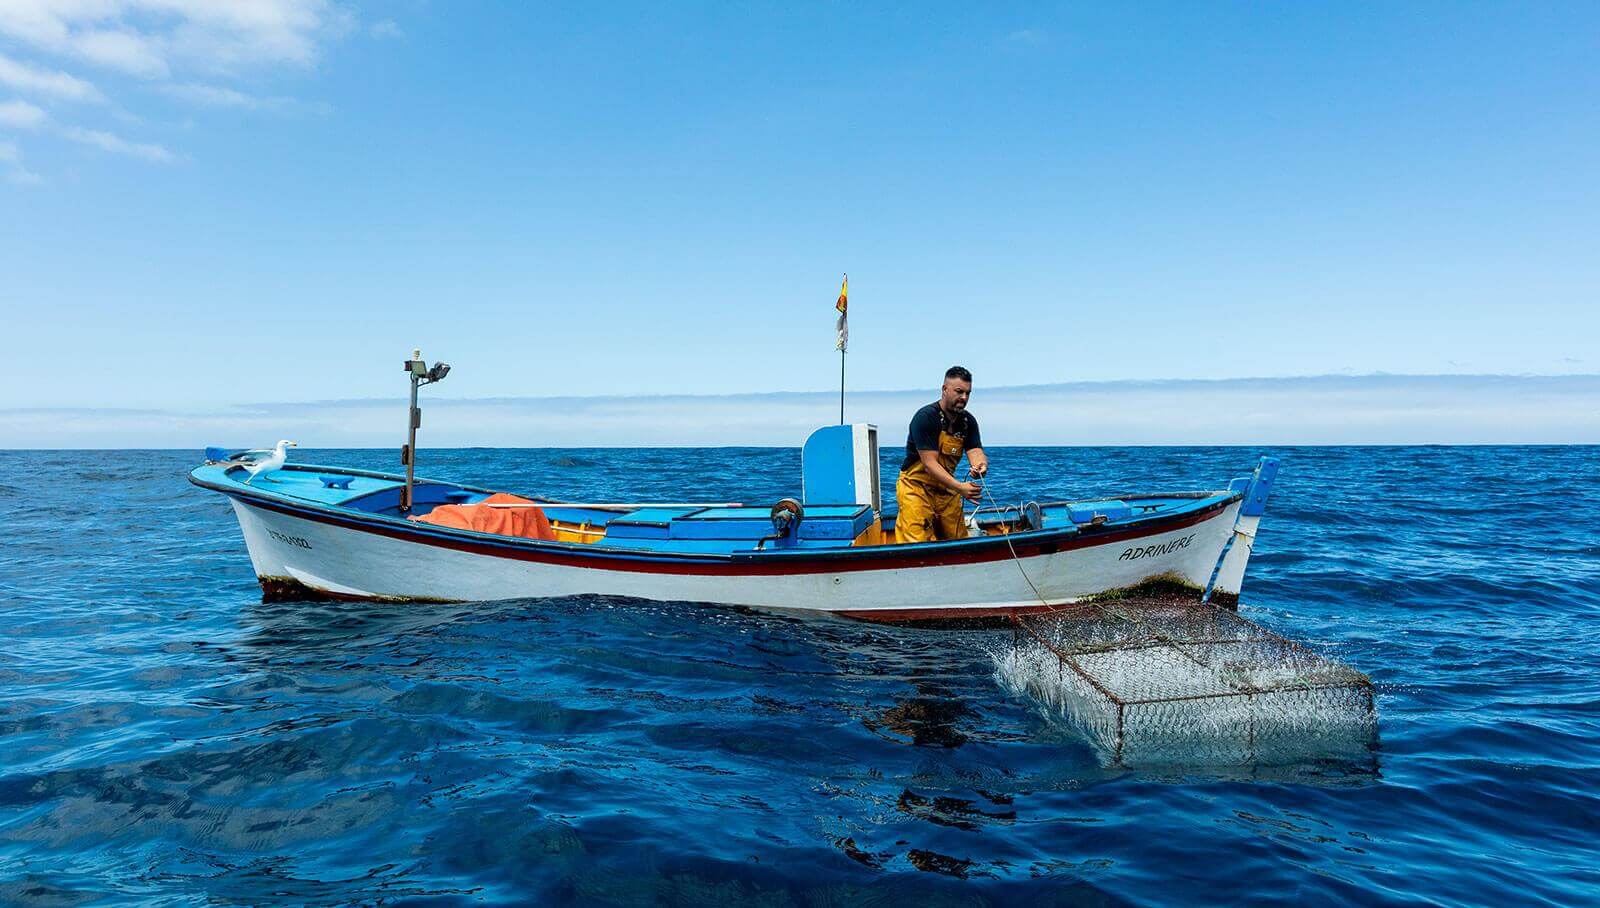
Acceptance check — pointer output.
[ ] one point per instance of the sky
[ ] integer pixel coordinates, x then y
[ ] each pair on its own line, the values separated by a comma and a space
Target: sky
207, 204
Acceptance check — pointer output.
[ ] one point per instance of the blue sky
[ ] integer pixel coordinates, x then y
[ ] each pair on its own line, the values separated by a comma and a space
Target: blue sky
204, 205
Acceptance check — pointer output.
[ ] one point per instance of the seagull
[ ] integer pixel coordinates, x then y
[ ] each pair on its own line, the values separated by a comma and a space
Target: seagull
273, 461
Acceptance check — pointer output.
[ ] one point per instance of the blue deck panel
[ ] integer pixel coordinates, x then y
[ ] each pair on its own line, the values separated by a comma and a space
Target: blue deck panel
301, 484
823, 523
1112, 510
749, 530
667, 546
840, 543
1117, 510
425, 496
712, 546
762, 514
646, 523
835, 511
655, 516
590, 516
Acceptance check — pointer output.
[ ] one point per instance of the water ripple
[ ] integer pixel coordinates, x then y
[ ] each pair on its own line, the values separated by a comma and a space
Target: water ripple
166, 736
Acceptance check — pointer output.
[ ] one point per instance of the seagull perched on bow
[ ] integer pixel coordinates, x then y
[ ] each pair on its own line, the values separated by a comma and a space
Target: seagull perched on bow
273, 461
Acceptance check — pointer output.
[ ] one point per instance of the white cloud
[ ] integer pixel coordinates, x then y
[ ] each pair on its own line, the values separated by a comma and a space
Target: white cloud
213, 96
126, 51
150, 38
185, 49
30, 79
388, 28
1025, 38
204, 95
114, 143
11, 163
20, 115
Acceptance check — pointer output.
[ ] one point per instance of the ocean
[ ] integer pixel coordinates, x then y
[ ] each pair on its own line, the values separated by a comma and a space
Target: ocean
166, 737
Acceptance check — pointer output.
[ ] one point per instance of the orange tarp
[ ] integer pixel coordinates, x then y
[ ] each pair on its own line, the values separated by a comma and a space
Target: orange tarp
527, 522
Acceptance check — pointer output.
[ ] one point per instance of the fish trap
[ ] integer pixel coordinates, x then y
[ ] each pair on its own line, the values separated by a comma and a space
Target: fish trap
1155, 682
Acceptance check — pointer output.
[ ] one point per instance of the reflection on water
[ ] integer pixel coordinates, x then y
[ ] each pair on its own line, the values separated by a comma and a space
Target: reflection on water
933, 718
959, 813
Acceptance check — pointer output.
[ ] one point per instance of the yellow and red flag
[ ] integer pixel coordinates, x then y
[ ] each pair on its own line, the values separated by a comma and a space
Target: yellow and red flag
843, 305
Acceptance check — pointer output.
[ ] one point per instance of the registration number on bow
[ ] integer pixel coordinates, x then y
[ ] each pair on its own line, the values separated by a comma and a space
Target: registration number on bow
1154, 551
289, 540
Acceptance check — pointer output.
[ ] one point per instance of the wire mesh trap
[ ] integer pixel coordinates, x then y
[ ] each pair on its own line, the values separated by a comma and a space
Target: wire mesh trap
1152, 682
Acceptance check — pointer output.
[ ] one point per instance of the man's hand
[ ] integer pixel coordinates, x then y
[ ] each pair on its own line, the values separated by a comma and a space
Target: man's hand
971, 491
977, 463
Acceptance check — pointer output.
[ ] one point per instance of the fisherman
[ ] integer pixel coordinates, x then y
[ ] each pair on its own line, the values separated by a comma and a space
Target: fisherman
928, 492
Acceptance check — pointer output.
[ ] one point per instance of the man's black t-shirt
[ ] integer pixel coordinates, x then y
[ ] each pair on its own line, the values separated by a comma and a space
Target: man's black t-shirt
926, 425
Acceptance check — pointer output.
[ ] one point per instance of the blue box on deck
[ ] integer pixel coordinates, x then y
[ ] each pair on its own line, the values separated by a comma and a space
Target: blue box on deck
836, 522
724, 523
833, 523
823, 522
1111, 510
650, 523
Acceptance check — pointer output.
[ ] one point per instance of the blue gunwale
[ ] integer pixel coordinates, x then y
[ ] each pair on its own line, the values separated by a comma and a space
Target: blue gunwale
1195, 507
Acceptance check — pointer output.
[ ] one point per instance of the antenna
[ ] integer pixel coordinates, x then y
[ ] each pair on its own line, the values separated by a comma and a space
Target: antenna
420, 375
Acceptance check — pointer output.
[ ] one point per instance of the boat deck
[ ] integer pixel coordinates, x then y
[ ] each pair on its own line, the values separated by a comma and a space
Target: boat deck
680, 530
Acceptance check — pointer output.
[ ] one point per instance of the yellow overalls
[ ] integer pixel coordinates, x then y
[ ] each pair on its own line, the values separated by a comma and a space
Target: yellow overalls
928, 510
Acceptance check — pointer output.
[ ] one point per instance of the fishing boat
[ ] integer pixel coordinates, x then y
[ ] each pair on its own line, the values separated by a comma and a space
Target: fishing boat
328, 531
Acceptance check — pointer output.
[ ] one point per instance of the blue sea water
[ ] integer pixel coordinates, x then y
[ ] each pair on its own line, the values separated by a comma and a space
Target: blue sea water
165, 736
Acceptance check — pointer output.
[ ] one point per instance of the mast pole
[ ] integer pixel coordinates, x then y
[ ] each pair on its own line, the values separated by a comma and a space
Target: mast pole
841, 387
412, 419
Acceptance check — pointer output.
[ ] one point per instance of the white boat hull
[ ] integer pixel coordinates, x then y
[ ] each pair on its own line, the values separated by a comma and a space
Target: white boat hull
898, 583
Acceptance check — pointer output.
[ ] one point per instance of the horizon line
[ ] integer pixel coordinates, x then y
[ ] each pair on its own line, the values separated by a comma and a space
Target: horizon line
882, 450
1101, 383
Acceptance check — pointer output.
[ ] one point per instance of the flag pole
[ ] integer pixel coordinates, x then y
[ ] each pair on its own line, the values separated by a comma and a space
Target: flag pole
843, 327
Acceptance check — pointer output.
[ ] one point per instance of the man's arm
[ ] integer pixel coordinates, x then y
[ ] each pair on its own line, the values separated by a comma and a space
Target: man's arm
930, 462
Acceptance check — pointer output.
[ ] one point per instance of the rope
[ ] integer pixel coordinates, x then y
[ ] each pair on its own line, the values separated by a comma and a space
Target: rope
1015, 559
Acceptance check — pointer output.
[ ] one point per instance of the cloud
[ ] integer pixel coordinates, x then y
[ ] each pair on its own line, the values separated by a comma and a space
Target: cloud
11, 163
388, 28
1325, 410
20, 115
150, 38
212, 96
23, 77
126, 51
218, 96
1023, 39
114, 143
184, 49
